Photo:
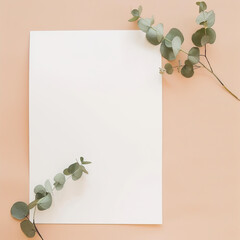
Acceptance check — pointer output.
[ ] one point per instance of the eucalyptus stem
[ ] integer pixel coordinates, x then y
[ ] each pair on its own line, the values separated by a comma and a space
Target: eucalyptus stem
34, 213
210, 69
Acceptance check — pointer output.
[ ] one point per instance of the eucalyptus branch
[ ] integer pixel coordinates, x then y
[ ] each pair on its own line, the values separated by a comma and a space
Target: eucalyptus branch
171, 44
43, 197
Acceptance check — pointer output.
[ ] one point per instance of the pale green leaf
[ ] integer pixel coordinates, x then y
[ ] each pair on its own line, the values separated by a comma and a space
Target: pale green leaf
193, 55
176, 45
145, 23
166, 52
48, 186
174, 32
40, 189
45, 202
202, 6
60, 178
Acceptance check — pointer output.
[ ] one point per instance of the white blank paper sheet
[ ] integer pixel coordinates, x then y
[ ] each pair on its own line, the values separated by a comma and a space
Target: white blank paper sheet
97, 94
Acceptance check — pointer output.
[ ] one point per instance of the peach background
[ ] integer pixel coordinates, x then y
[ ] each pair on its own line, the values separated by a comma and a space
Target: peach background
201, 191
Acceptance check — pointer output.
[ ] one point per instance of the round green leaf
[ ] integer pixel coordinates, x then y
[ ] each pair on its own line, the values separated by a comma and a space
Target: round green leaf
204, 40
73, 167
166, 52
169, 68
206, 18
45, 202
174, 32
28, 228
187, 69
77, 174
60, 178
19, 210
145, 23
211, 34
202, 6
193, 55
176, 45
40, 189
155, 34
65, 171
135, 12
197, 36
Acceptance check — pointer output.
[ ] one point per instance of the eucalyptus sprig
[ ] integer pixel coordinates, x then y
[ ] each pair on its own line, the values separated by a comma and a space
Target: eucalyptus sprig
43, 197
171, 44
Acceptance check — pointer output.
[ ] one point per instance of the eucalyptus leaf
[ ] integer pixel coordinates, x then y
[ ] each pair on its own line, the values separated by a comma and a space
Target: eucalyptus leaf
48, 186
65, 171
73, 167
19, 210
77, 174
204, 40
211, 34
81, 159
197, 36
140, 10
145, 23
133, 19
58, 186
151, 36
169, 68
176, 45
45, 202
135, 12
193, 55
166, 52
40, 189
86, 162
60, 178
28, 228
202, 6
206, 18
187, 69
39, 196
174, 32
84, 169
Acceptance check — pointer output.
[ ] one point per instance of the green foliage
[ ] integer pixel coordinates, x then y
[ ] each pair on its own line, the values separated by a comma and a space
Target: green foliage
59, 181
155, 34
145, 24
174, 32
19, 210
168, 67
202, 6
207, 19
45, 202
43, 196
187, 70
136, 13
28, 228
204, 36
193, 55
170, 46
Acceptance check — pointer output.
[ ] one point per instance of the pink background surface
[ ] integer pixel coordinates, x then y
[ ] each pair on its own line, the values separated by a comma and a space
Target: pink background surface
201, 191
